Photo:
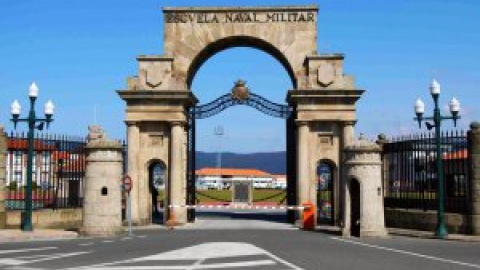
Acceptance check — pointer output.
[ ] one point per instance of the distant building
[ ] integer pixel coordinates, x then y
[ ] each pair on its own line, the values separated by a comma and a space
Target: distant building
222, 178
280, 181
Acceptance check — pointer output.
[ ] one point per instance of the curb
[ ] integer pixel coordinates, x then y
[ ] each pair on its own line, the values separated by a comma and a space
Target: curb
9, 236
431, 235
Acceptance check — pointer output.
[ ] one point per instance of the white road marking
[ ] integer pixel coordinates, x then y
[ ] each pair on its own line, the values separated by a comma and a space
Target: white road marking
199, 254
86, 244
28, 259
25, 250
108, 241
141, 236
185, 267
126, 238
409, 253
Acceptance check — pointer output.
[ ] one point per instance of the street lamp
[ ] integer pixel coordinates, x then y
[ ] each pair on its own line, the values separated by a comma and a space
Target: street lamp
32, 125
441, 230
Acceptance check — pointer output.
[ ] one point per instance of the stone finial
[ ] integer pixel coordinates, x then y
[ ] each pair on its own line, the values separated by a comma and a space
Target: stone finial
381, 139
363, 144
2, 129
96, 133
475, 125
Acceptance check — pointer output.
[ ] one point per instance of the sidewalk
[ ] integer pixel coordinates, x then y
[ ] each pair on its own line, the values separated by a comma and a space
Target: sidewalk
407, 233
431, 235
15, 235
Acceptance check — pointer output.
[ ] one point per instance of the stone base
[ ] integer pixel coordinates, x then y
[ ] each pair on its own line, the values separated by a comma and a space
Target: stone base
102, 232
3, 220
475, 219
373, 233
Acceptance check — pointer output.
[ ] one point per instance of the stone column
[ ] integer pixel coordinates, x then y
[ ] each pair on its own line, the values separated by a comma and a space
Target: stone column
176, 177
102, 209
3, 174
133, 138
474, 152
363, 163
348, 138
303, 183
302, 162
382, 141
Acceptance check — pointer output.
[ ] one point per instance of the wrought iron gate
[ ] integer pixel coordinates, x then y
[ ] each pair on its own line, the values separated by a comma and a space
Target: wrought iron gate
240, 95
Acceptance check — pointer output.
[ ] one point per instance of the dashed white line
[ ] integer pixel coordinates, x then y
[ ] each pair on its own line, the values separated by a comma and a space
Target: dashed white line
409, 253
86, 244
108, 241
25, 250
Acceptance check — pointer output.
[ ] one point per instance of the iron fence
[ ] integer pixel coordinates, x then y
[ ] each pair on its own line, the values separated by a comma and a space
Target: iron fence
58, 171
410, 177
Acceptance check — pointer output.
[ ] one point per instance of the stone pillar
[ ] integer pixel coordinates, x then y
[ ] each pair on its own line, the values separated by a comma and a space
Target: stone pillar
3, 174
176, 176
348, 134
474, 151
102, 209
382, 141
303, 183
363, 163
133, 138
302, 162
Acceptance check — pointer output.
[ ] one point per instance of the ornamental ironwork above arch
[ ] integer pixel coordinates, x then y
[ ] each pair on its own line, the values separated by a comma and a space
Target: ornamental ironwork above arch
240, 95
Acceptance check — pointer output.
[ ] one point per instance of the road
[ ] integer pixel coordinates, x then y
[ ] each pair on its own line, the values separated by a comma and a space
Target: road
234, 248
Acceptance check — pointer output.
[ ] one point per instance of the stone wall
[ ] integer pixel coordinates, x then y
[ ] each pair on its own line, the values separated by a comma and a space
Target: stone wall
48, 219
425, 220
474, 152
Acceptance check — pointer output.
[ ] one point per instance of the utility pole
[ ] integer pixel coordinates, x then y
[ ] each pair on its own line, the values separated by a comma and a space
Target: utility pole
218, 131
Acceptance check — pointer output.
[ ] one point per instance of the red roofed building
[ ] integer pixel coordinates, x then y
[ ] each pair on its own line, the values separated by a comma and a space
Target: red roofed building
17, 161
222, 178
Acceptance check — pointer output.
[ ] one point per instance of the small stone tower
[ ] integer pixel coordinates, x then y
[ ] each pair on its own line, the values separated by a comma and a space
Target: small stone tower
102, 212
364, 212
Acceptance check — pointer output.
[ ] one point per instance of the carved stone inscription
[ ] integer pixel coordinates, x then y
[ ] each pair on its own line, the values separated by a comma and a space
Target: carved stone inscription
239, 17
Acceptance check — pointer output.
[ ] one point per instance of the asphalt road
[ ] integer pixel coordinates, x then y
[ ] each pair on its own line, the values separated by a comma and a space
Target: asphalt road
234, 248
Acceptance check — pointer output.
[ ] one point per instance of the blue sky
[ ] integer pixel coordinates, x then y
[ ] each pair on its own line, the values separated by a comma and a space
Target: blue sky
80, 52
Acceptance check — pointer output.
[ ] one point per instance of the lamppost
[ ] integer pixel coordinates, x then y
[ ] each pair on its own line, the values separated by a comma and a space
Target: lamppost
441, 230
32, 121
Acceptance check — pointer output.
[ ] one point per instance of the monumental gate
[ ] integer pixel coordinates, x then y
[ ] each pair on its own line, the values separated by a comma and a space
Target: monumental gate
160, 100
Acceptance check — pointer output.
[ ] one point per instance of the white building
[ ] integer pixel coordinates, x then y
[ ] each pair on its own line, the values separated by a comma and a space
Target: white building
222, 178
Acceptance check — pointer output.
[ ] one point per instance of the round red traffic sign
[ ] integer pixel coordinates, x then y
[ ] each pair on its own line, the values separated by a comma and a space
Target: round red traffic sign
127, 183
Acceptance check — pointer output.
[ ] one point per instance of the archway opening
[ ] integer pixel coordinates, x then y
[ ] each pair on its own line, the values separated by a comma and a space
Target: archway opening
157, 173
355, 207
241, 149
325, 192
235, 42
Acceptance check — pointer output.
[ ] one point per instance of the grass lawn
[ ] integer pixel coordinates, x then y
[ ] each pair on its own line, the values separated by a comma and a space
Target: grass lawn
259, 195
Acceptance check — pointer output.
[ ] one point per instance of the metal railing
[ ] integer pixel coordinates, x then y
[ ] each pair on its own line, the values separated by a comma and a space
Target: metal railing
58, 171
410, 180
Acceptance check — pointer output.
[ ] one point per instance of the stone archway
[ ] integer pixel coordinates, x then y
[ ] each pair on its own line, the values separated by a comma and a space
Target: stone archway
158, 99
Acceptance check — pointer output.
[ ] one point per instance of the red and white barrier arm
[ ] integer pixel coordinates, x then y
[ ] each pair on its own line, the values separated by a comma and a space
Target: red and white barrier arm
233, 206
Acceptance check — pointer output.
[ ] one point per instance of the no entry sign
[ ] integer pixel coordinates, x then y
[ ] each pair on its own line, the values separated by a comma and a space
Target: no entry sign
127, 183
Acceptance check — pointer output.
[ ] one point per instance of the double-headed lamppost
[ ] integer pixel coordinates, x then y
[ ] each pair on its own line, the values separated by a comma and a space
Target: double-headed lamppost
441, 230
32, 121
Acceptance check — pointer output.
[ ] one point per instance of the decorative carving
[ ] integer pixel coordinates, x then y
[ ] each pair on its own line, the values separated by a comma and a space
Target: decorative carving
96, 133
156, 139
153, 79
240, 91
326, 74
